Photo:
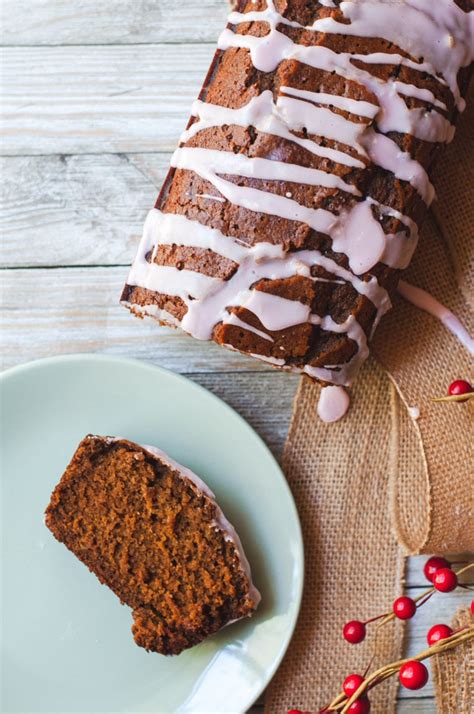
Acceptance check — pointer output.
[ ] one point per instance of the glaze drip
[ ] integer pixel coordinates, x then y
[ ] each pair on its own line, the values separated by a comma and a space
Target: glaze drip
333, 404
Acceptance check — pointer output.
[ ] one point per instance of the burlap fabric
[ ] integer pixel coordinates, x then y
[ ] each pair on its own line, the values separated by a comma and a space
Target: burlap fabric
378, 484
453, 673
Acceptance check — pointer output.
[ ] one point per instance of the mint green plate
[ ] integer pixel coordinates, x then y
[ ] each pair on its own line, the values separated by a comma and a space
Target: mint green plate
66, 639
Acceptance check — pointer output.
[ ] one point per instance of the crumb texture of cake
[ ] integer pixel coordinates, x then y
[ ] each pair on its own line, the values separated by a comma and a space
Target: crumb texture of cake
294, 198
152, 531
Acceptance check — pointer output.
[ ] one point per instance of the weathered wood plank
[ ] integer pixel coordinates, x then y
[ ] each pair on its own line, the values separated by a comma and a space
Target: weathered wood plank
263, 399
86, 22
75, 210
416, 706
60, 311
130, 98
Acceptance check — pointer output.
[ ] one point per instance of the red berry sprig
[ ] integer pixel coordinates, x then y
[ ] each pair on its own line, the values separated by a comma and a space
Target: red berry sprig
432, 565
404, 608
350, 686
413, 675
352, 683
359, 706
437, 570
437, 633
458, 391
445, 580
354, 631
459, 387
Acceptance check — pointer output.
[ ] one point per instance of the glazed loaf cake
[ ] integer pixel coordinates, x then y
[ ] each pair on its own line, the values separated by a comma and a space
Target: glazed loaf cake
295, 196
152, 531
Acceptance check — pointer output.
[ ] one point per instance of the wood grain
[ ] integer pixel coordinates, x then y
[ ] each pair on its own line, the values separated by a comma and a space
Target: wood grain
416, 706
264, 400
75, 210
88, 22
130, 98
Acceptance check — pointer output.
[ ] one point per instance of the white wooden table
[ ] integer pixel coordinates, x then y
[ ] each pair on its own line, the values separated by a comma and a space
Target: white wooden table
94, 96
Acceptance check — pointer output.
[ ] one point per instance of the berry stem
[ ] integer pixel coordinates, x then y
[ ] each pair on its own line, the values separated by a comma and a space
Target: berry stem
422, 602
374, 619
454, 398
366, 672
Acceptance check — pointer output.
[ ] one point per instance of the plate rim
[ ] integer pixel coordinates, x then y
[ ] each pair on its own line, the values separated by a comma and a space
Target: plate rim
133, 362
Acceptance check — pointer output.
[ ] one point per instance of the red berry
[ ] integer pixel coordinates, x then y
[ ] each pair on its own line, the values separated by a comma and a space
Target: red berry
404, 608
413, 675
437, 633
458, 387
472, 606
360, 706
354, 631
295, 711
352, 684
445, 580
432, 565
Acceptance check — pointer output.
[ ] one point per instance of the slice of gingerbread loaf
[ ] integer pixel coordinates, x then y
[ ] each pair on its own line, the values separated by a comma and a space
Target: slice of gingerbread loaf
152, 531
295, 195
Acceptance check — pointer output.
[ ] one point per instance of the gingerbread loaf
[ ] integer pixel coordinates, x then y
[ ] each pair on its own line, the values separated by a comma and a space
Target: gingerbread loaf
152, 531
294, 199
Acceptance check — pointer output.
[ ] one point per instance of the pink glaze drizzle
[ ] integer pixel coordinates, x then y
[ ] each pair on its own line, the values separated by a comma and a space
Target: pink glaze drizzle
423, 300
